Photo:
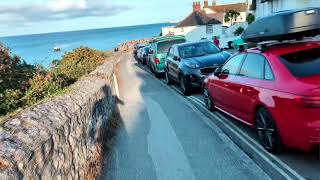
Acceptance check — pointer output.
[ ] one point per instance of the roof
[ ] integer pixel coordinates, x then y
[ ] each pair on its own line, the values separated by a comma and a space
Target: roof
197, 19
168, 38
239, 7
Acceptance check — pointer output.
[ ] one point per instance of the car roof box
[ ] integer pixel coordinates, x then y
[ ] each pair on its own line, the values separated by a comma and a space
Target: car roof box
285, 25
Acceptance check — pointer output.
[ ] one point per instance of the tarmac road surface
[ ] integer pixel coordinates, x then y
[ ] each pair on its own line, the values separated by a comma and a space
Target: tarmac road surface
163, 136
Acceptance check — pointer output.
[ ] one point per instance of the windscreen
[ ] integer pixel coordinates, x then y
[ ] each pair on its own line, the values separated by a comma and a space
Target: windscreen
198, 49
303, 63
163, 47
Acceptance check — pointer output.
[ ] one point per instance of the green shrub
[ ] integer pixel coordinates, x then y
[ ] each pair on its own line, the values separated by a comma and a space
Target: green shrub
239, 31
23, 85
79, 62
250, 18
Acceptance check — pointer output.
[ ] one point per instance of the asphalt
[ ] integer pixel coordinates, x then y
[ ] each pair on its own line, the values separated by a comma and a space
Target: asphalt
163, 136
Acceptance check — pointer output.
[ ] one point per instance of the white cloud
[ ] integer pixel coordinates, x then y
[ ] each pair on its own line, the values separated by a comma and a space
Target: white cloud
51, 10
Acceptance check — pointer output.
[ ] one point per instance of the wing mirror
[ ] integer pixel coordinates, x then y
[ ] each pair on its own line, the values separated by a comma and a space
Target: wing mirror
176, 58
218, 72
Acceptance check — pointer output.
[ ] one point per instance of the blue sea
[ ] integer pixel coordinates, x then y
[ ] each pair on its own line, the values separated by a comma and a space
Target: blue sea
38, 48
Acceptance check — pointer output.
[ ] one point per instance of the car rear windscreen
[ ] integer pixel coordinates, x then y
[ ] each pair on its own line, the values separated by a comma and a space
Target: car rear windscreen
303, 63
163, 47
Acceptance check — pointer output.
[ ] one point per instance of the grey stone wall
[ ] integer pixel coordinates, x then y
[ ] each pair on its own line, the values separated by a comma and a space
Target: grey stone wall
63, 137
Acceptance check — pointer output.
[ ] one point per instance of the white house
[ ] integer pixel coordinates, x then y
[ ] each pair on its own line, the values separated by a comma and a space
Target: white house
266, 7
196, 26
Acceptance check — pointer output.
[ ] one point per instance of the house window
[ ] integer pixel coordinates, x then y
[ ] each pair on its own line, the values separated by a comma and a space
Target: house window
209, 29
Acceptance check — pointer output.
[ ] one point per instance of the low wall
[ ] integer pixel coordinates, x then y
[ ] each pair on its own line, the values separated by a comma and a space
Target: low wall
63, 137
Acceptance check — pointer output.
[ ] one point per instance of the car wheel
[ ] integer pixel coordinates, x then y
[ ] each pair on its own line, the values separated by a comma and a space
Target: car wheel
267, 131
167, 77
208, 99
184, 86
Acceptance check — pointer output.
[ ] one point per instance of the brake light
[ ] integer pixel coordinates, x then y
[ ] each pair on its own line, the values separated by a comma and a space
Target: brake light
308, 102
157, 60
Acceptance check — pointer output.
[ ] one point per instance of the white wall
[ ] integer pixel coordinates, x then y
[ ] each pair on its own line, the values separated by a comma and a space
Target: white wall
267, 8
194, 33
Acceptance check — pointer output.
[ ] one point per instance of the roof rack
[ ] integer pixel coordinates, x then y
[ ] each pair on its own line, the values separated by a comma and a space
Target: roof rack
262, 46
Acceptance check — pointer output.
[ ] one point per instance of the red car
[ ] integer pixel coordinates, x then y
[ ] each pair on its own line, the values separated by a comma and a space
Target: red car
276, 91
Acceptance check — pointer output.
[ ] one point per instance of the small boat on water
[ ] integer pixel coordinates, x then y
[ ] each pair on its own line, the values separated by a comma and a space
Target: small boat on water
56, 49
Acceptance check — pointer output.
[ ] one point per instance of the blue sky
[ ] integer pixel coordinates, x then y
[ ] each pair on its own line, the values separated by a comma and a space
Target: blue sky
19, 17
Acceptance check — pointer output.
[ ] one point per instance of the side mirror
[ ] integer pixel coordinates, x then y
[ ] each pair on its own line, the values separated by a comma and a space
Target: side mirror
176, 58
217, 72
225, 72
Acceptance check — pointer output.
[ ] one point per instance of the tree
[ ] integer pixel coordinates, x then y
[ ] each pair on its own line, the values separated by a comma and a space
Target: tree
250, 18
238, 31
231, 16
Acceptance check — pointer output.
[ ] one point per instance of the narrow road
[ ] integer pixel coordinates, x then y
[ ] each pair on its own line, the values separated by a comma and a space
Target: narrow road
162, 136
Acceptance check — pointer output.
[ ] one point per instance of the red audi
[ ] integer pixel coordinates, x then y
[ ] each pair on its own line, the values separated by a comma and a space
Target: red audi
276, 91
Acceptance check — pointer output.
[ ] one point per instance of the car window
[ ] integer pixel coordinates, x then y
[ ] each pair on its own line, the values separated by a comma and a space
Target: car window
233, 64
303, 63
164, 46
175, 52
268, 74
253, 66
198, 49
170, 52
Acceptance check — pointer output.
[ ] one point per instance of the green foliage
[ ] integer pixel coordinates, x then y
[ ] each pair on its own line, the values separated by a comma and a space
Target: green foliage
250, 18
23, 85
238, 31
231, 16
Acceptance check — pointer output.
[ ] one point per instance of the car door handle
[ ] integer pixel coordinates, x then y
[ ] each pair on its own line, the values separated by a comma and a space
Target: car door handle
226, 84
250, 90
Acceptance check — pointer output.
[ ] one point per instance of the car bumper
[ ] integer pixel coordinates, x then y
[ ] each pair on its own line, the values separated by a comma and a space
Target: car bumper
195, 80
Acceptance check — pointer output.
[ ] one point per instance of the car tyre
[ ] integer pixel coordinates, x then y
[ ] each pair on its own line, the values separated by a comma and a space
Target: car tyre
208, 99
267, 131
185, 89
167, 78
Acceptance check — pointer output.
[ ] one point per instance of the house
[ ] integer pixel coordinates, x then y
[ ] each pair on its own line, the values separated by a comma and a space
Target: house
196, 26
264, 8
219, 11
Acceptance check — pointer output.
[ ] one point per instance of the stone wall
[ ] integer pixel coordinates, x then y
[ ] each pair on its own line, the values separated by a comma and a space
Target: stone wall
63, 137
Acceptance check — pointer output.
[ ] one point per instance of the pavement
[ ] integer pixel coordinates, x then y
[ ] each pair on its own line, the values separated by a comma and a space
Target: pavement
163, 136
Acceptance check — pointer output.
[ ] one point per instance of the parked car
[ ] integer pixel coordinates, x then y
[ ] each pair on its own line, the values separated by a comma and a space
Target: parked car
189, 63
139, 53
159, 50
136, 49
276, 90
144, 55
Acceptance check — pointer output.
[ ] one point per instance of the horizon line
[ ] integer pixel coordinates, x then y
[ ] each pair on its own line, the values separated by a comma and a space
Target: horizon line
77, 30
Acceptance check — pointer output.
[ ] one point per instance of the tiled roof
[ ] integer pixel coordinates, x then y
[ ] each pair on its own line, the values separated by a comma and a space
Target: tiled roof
196, 19
239, 7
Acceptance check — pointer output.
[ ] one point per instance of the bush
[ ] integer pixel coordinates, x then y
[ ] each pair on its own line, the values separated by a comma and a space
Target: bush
250, 18
239, 31
23, 85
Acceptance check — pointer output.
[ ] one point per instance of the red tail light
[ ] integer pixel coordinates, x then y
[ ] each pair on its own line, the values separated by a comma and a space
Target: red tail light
157, 60
308, 102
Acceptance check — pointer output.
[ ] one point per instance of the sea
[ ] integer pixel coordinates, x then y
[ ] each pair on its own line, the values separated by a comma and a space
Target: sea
38, 48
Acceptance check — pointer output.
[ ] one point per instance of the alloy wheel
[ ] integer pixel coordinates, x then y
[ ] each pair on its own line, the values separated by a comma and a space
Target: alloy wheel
207, 99
266, 131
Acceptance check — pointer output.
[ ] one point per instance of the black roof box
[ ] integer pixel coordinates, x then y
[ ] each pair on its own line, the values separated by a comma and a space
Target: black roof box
285, 25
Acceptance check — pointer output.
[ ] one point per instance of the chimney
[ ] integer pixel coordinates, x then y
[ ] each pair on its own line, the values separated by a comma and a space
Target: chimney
206, 4
214, 2
196, 7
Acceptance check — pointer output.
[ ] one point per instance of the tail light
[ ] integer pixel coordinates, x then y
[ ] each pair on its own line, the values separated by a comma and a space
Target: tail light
308, 102
157, 60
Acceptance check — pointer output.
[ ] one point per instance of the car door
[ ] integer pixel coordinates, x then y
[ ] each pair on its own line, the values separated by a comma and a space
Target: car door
169, 62
221, 88
247, 86
175, 64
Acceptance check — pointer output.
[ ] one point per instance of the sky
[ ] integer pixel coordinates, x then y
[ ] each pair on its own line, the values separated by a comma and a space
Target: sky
19, 17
